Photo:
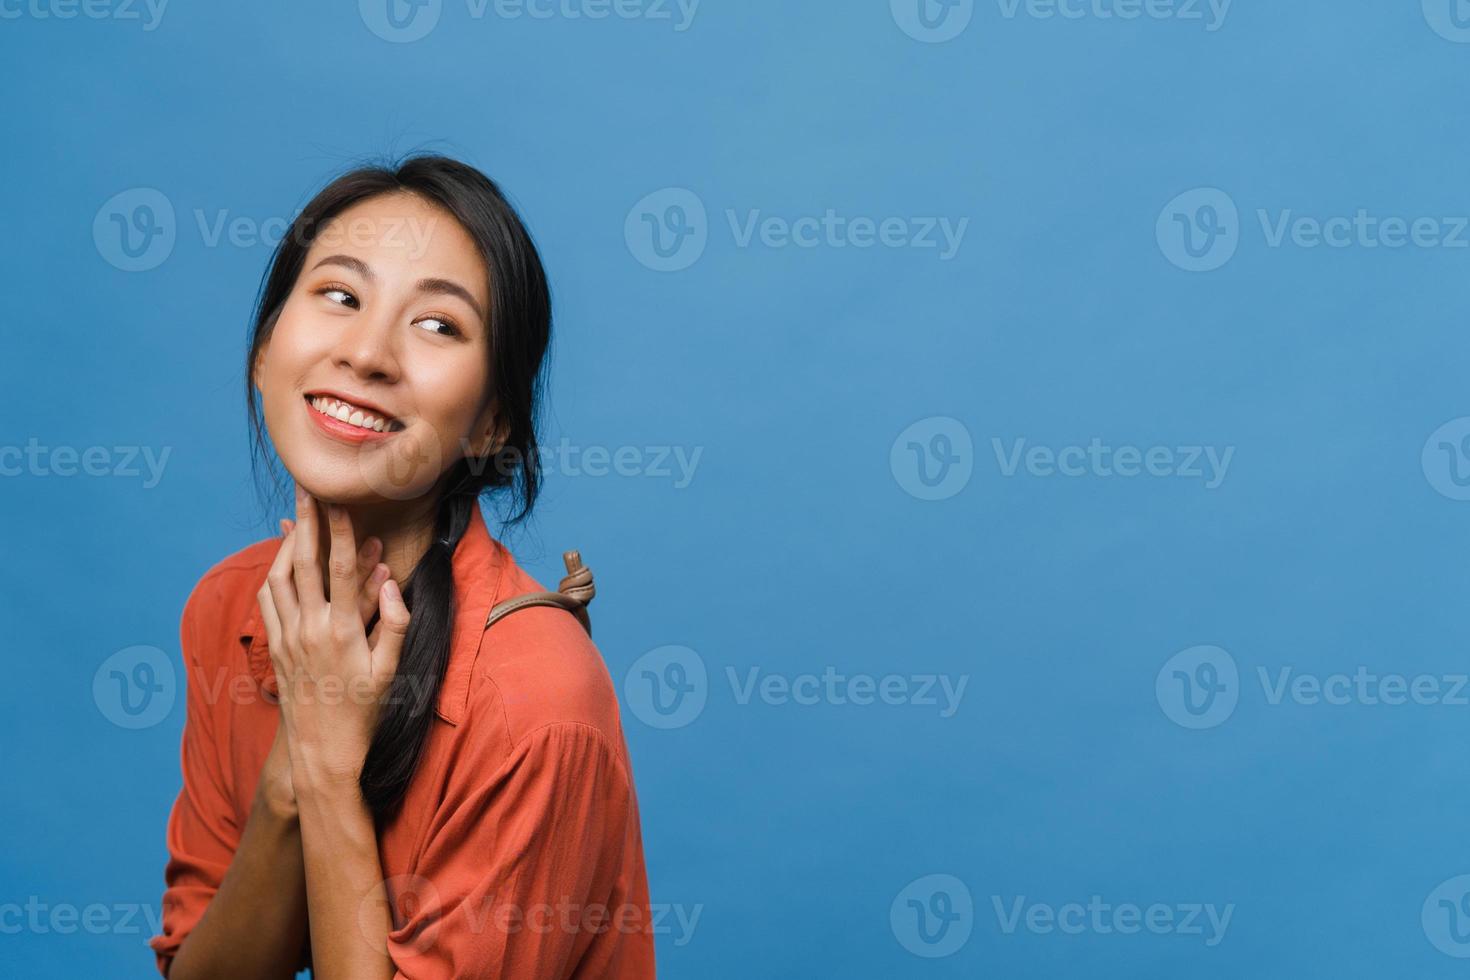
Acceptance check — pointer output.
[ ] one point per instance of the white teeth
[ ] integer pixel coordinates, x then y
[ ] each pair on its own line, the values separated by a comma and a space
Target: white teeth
350, 414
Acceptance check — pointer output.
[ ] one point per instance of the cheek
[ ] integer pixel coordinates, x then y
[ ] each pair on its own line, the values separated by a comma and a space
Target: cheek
293, 349
450, 393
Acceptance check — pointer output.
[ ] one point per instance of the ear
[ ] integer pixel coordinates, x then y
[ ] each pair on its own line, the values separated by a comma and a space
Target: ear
492, 430
256, 368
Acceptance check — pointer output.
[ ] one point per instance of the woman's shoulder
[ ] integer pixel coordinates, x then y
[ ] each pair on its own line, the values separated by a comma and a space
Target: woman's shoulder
538, 669
223, 598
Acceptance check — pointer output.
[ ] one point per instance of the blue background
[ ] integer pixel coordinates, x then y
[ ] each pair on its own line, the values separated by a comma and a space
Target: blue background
1331, 543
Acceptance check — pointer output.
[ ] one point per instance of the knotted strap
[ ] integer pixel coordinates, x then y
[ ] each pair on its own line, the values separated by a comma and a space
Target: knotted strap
574, 594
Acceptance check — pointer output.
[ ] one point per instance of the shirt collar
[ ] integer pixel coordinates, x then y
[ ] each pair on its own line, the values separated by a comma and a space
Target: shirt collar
479, 567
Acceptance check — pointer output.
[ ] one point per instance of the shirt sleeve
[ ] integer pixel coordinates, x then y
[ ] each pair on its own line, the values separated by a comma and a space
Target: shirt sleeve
532, 869
202, 830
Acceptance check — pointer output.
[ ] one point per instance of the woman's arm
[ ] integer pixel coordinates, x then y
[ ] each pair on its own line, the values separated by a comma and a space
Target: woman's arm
344, 883
255, 926
255, 923
332, 676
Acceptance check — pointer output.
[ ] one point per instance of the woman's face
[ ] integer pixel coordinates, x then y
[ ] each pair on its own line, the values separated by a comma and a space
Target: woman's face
375, 380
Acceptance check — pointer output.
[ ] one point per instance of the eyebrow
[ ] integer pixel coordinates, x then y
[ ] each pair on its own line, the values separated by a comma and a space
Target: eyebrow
431, 284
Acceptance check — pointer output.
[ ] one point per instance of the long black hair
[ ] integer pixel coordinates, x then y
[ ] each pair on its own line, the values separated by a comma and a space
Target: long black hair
519, 332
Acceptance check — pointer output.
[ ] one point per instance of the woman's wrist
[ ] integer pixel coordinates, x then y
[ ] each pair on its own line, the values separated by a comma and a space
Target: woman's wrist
276, 800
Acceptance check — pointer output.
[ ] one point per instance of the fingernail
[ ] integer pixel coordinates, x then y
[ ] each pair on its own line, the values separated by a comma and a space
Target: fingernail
285, 527
380, 573
390, 589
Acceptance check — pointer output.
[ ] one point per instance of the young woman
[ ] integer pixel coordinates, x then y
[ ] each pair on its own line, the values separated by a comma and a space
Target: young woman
376, 785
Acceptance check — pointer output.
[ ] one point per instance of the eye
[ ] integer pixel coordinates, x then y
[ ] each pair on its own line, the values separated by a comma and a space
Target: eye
439, 325
339, 296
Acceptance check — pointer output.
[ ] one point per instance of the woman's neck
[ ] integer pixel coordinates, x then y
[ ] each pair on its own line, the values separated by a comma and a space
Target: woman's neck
406, 530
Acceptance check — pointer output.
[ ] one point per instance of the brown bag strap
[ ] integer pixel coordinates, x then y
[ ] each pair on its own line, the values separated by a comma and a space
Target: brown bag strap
574, 594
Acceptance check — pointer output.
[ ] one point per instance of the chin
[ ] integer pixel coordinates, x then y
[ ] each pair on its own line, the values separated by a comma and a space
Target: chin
370, 480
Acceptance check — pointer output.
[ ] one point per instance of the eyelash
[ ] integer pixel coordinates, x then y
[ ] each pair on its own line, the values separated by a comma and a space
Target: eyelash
453, 328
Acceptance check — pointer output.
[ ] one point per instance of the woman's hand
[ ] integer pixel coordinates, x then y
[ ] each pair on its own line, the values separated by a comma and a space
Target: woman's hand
330, 674
275, 788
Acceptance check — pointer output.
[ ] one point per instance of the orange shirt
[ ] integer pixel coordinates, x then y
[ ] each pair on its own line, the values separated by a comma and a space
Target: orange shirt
517, 851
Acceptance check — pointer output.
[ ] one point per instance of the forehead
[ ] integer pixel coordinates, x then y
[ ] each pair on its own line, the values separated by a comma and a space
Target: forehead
401, 236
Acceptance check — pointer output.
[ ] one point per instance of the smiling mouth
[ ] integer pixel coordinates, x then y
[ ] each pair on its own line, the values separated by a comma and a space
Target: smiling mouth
354, 415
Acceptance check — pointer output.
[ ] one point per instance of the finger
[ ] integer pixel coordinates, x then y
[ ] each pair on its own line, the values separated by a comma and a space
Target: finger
270, 617
278, 580
367, 596
368, 555
306, 562
392, 628
342, 562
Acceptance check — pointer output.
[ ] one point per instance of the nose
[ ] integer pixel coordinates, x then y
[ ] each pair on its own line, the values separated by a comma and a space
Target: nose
367, 347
